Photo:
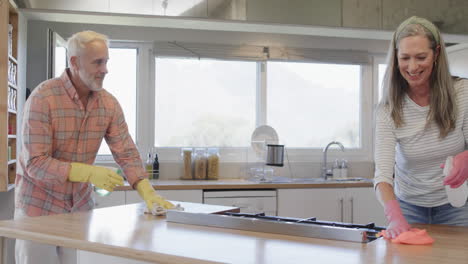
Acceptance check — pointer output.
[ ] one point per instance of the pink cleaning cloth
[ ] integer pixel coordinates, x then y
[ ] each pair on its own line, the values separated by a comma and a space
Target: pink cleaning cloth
414, 236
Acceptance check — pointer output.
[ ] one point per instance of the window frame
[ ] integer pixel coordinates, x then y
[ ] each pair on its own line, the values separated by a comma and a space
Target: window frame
143, 82
145, 110
377, 59
365, 153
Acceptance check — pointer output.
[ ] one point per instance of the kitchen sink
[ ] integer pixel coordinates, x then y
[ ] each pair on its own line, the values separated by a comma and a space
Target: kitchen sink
355, 179
307, 180
277, 179
322, 180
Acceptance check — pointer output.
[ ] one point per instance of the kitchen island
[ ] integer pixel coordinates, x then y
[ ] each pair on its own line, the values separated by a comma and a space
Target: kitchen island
126, 232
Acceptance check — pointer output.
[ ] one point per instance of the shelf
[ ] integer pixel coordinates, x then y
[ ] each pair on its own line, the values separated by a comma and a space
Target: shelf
12, 86
10, 89
12, 59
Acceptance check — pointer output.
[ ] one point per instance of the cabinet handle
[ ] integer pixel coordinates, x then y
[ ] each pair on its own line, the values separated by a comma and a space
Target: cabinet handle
352, 209
341, 203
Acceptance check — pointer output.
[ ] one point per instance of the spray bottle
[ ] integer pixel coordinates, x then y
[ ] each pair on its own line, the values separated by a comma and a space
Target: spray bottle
456, 196
102, 192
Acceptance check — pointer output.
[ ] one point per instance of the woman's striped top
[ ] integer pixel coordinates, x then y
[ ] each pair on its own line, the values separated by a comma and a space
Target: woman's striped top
409, 157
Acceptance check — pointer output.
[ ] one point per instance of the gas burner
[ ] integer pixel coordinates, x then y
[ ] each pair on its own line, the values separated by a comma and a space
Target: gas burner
305, 227
311, 220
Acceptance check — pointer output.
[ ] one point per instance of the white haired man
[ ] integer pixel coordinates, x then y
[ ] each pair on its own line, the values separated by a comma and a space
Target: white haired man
65, 120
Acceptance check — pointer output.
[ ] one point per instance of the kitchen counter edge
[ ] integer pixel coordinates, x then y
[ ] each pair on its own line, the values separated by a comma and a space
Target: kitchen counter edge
242, 184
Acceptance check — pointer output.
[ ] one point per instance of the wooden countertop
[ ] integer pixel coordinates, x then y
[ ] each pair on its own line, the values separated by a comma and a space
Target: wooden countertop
125, 231
243, 184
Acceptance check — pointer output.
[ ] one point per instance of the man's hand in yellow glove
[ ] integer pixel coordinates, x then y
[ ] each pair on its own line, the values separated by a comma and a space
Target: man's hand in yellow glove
147, 192
101, 177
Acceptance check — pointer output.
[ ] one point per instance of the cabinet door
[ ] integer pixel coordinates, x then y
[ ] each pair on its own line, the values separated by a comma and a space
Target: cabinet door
85, 257
250, 205
325, 204
458, 59
192, 196
364, 207
113, 199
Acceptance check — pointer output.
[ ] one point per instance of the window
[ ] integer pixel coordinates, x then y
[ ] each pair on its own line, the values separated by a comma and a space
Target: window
174, 100
60, 60
121, 82
204, 102
311, 104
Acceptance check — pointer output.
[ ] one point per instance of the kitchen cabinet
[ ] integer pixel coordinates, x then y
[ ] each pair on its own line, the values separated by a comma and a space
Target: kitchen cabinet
192, 196
8, 92
249, 201
353, 205
129, 197
458, 59
362, 207
85, 257
325, 204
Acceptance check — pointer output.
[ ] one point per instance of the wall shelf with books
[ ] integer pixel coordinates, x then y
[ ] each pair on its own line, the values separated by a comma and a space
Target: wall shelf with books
8, 93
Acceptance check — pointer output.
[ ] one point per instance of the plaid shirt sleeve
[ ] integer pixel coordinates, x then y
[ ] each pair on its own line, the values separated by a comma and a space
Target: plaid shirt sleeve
37, 144
123, 148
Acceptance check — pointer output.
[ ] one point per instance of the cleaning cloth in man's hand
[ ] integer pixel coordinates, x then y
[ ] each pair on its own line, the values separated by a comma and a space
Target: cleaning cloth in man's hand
159, 210
414, 236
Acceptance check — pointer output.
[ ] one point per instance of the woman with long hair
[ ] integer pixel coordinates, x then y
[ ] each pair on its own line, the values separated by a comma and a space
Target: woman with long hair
421, 120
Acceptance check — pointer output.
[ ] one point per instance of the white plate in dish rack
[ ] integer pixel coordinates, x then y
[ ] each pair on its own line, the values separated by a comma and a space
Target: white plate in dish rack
261, 136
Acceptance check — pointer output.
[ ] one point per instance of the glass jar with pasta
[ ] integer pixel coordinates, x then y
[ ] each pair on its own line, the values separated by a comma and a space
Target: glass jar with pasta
187, 155
213, 164
200, 164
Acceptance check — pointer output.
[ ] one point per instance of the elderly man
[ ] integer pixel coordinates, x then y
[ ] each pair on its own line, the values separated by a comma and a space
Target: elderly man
65, 120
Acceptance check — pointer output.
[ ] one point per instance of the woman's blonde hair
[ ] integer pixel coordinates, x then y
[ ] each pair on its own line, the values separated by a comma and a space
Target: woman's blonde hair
442, 108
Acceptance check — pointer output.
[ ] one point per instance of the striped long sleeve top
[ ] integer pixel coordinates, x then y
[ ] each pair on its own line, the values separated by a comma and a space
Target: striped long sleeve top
409, 157
57, 130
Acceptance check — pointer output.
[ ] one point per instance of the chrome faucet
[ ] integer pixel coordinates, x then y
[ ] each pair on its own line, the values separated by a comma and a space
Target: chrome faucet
325, 171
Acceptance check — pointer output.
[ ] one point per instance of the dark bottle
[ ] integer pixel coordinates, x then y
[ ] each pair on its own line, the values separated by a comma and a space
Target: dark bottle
155, 167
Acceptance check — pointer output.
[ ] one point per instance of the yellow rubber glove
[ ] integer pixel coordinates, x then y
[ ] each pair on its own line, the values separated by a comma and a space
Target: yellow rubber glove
147, 192
101, 177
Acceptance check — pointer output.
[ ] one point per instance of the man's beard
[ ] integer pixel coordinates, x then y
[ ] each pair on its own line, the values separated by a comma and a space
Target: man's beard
89, 81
